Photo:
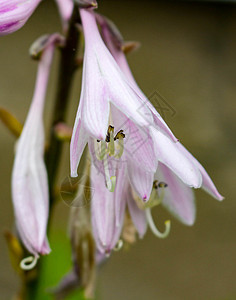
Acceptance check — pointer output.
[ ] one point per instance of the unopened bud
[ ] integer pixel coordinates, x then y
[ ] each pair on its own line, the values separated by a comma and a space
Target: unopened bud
86, 3
43, 42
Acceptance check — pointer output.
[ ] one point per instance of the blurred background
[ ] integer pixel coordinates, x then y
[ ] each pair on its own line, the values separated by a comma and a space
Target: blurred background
188, 56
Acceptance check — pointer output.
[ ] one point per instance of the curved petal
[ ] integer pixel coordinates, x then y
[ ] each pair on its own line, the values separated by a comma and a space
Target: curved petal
169, 154
141, 181
15, 13
178, 198
106, 232
207, 183
102, 65
78, 142
138, 144
94, 99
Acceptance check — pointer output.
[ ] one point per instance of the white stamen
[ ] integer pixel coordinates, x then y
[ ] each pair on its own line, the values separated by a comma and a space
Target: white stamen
100, 150
111, 181
153, 227
28, 263
120, 147
111, 145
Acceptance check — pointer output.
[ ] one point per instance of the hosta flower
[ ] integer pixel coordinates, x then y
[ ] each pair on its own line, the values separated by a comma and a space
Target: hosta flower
178, 197
106, 96
29, 178
113, 118
15, 13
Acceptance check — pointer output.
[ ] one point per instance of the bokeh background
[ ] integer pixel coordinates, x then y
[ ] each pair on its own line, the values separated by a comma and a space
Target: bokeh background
188, 56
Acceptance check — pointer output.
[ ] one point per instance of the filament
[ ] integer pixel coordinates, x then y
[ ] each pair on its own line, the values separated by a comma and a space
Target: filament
100, 151
110, 181
120, 147
28, 263
111, 144
153, 227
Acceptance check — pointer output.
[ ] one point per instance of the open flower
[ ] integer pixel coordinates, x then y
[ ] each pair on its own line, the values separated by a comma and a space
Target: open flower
107, 97
110, 106
15, 13
178, 197
29, 178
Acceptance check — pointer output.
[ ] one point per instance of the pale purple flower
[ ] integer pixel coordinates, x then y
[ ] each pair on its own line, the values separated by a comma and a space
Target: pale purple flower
15, 13
108, 99
29, 178
178, 197
113, 117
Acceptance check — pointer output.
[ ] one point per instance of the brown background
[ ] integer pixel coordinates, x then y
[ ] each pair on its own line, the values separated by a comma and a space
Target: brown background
188, 54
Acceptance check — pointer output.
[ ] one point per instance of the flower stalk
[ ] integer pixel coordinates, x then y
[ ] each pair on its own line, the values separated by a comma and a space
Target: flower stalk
66, 71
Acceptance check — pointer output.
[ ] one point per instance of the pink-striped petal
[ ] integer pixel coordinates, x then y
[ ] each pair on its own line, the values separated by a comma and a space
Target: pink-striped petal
178, 197
169, 154
141, 180
115, 48
79, 140
104, 222
15, 13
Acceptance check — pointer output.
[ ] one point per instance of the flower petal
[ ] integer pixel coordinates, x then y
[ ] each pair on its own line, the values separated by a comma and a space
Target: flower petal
106, 232
169, 154
141, 180
15, 13
113, 40
138, 144
109, 81
94, 99
79, 140
178, 197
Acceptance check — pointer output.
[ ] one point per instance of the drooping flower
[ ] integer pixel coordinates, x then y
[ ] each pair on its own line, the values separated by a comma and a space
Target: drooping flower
15, 13
109, 108
178, 197
29, 178
104, 88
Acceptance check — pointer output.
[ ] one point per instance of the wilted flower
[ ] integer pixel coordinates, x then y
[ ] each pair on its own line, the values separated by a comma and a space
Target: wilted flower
29, 178
15, 13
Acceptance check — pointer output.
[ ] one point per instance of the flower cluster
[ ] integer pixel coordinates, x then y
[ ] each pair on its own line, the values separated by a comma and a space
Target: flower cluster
136, 161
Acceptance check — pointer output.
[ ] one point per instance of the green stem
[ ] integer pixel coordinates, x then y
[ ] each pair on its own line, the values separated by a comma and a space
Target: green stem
66, 72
